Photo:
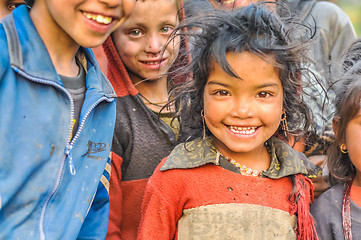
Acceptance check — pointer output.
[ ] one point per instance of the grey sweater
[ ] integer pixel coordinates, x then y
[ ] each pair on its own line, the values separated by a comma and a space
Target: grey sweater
327, 211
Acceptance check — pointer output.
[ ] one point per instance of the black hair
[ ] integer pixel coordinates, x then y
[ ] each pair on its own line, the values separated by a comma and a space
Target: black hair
348, 104
256, 29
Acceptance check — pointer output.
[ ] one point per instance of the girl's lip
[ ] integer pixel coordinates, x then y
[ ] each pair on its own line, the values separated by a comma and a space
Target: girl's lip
154, 63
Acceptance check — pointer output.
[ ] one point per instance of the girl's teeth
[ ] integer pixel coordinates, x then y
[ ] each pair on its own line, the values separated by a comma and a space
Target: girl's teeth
98, 18
151, 63
242, 130
228, 1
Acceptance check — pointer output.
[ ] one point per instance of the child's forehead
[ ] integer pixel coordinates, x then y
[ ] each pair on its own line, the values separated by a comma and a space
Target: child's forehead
152, 13
246, 66
160, 8
231, 56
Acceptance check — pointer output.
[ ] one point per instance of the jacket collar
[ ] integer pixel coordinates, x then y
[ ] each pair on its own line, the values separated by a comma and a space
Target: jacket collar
33, 58
284, 160
302, 7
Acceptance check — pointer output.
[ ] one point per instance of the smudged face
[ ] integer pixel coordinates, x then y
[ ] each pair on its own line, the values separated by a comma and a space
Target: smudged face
142, 40
243, 114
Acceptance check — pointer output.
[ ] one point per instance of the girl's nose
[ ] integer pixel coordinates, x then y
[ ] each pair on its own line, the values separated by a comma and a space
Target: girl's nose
154, 44
242, 108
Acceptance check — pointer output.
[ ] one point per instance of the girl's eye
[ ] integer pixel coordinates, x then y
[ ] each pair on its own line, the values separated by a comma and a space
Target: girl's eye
165, 29
222, 93
263, 94
135, 33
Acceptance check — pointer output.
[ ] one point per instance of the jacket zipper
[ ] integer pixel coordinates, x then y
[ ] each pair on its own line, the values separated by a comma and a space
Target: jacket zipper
68, 149
70, 145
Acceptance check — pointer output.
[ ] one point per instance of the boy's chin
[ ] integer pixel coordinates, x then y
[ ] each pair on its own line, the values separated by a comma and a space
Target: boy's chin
93, 42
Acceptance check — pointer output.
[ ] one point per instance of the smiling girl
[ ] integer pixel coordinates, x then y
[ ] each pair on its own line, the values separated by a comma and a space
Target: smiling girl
233, 178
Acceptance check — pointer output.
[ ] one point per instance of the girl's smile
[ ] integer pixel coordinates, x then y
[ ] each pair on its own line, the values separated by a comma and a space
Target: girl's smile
154, 64
243, 113
242, 130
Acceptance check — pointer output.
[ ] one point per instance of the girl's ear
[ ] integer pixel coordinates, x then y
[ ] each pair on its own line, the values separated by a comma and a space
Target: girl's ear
336, 126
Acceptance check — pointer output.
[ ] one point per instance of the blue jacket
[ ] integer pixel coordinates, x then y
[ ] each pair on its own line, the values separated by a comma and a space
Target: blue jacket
50, 187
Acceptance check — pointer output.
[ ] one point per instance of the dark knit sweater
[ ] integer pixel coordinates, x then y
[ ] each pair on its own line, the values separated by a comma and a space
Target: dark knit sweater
141, 140
191, 196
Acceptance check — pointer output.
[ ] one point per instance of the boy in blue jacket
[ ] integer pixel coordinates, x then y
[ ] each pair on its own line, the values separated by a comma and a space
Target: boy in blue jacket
57, 114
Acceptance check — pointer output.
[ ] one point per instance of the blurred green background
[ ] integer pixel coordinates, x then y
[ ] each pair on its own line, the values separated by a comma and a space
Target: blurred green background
353, 10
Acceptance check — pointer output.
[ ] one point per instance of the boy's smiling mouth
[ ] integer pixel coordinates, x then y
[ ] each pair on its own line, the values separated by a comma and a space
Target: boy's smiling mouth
242, 130
98, 18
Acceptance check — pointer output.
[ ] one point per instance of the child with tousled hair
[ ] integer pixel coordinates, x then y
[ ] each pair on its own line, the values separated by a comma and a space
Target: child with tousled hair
233, 177
334, 33
337, 211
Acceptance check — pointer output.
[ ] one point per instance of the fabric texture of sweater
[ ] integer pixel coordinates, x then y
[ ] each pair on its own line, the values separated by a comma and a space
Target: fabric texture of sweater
327, 211
192, 195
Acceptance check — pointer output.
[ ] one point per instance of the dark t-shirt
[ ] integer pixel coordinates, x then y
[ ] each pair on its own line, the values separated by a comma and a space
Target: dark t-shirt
77, 88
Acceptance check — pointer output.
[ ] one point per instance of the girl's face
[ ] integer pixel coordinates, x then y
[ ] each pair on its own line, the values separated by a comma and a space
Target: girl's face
243, 113
353, 140
141, 40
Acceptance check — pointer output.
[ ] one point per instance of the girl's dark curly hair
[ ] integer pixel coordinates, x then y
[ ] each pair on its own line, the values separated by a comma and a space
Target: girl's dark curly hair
214, 33
348, 105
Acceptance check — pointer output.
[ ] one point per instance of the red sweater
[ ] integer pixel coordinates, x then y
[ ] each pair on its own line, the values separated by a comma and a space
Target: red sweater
190, 196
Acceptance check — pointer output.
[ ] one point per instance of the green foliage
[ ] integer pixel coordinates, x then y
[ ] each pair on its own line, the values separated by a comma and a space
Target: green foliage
353, 10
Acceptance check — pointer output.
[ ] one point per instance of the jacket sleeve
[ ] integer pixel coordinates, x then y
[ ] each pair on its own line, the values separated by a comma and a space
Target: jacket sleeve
96, 222
342, 35
160, 213
336, 29
116, 198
